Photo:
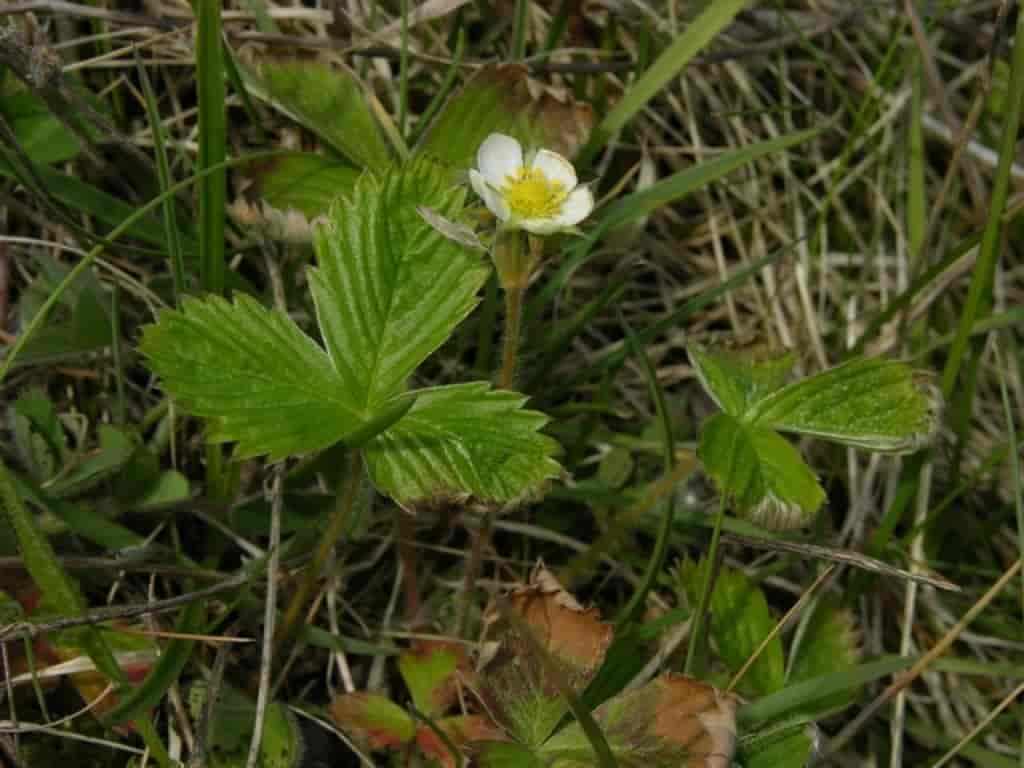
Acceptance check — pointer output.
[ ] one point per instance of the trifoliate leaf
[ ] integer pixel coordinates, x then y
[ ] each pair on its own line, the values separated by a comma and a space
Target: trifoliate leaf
463, 439
261, 381
330, 102
829, 644
736, 378
672, 722
765, 477
881, 405
389, 289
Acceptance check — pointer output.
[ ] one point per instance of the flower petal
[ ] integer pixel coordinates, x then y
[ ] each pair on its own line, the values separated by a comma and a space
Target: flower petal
555, 168
540, 226
498, 157
492, 198
577, 207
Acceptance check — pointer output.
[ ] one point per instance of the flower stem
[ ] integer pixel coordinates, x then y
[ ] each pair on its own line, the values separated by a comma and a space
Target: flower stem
700, 617
513, 327
339, 519
481, 538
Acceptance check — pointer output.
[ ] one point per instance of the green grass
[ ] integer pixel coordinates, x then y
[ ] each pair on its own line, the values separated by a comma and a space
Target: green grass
785, 174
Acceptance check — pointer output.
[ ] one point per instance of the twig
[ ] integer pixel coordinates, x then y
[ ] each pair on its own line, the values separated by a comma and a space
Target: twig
270, 613
84, 11
980, 726
846, 556
99, 615
915, 671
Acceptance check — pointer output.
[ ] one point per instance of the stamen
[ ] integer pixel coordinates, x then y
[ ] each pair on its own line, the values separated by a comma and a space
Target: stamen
532, 195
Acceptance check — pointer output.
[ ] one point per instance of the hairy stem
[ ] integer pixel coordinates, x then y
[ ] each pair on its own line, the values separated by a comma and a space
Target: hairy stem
339, 519
481, 538
405, 533
700, 617
513, 327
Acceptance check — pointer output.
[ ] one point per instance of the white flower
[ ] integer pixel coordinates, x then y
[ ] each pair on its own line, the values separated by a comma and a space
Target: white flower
538, 193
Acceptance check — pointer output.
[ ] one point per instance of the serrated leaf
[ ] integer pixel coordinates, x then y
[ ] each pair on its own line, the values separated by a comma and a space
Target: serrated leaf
429, 669
261, 381
520, 690
373, 719
737, 378
463, 439
388, 288
828, 645
740, 621
504, 754
305, 182
881, 405
330, 102
497, 100
764, 476
672, 722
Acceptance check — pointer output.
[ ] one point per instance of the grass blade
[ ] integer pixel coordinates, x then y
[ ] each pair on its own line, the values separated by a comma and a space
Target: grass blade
980, 290
212, 145
698, 34
163, 168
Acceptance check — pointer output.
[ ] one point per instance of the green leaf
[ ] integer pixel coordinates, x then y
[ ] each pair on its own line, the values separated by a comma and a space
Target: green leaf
166, 671
497, 100
38, 434
698, 34
828, 645
40, 135
115, 450
374, 719
788, 745
389, 289
305, 182
802, 697
465, 438
740, 621
329, 102
872, 403
737, 378
504, 754
212, 145
428, 669
253, 373
764, 475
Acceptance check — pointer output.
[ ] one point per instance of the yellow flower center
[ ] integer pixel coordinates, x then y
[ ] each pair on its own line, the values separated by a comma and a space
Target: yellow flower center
532, 195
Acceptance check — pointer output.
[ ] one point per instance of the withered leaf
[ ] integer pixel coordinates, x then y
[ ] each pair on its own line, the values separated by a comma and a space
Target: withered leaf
672, 722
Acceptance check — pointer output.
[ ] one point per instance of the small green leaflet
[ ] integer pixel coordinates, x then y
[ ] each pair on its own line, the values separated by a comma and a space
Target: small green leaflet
881, 405
330, 102
765, 477
465, 437
389, 290
736, 380
260, 380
